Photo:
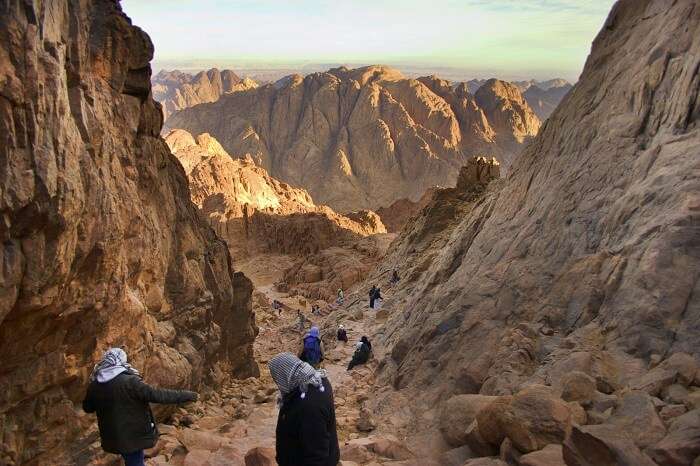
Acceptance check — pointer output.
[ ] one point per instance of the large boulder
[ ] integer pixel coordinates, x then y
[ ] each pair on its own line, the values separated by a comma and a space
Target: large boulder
602, 445
458, 413
682, 444
551, 455
533, 419
578, 386
637, 417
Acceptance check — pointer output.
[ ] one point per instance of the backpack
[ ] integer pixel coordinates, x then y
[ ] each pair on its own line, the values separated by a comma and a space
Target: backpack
312, 350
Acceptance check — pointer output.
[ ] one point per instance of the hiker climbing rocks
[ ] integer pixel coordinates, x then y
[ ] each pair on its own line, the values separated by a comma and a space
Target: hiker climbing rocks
342, 334
119, 396
363, 349
306, 428
301, 320
376, 302
312, 348
394, 277
341, 296
372, 296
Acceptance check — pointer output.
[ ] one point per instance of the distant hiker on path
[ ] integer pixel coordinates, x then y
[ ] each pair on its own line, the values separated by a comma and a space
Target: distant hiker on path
119, 396
394, 277
342, 334
372, 296
312, 348
376, 300
341, 296
306, 432
362, 353
301, 323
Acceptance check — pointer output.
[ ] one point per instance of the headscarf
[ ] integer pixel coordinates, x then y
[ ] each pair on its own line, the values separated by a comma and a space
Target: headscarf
314, 332
289, 373
112, 364
341, 326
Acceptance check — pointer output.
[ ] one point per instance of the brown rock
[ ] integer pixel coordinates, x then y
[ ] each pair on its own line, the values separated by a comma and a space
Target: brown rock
534, 419
485, 462
197, 458
260, 456
99, 242
682, 444
667, 413
477, 443
365, 422
458, 413
602, 445
637, 417
551, 455
578, 386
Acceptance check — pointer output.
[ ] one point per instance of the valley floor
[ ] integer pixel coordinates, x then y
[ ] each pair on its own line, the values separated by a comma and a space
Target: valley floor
235, 425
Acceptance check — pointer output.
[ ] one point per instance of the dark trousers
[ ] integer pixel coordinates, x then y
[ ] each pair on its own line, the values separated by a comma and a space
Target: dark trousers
134, 459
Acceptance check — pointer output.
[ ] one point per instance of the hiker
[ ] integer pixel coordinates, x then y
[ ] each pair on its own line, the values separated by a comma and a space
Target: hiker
341, 296
363, 349
394, 277
119, 396
312, 348
377, 302
342, 334
306, 432
277, 305
301, 320
372, 296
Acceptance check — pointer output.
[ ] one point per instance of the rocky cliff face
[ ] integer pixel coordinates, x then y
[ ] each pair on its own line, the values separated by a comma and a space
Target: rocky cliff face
101, 245
584, 259
176, 90
362, 138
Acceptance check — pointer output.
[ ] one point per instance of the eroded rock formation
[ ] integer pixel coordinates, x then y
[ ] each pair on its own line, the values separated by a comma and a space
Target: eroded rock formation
363, 138
101, 244
257, 214
585, 259
176, 90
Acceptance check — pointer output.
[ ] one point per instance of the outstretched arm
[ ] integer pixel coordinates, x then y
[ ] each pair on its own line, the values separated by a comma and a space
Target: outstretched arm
144, 392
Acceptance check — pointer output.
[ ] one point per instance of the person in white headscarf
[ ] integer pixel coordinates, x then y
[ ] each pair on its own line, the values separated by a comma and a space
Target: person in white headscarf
306, 428
342, 334
120, 398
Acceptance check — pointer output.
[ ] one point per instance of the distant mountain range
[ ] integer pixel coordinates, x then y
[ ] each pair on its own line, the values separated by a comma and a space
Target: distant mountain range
363, 138
542, 96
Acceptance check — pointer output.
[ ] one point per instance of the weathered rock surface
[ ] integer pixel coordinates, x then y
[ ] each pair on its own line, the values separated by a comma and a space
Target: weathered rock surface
585, 258
401, 211
363, 138
101, 244
176, 90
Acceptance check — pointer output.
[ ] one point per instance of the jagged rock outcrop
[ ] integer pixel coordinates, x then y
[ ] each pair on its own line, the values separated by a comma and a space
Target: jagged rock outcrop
511, 118
584, 259
400, 212
176, 90
363, 138
100, 243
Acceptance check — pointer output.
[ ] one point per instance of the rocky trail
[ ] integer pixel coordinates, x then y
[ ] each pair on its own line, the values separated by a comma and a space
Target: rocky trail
235, 424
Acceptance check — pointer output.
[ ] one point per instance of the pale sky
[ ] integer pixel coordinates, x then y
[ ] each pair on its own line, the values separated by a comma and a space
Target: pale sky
511, 39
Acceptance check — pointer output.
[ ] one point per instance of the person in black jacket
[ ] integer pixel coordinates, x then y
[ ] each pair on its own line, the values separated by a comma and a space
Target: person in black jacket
120, 398
306, 429
363, 350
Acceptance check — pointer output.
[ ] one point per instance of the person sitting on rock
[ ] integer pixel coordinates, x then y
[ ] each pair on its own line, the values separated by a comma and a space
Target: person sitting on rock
342, 334
312, 348
341, 296
306, 433
363, 349
119, 396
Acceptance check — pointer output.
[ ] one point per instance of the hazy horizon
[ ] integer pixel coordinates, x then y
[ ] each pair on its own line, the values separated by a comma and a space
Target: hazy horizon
456, 39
